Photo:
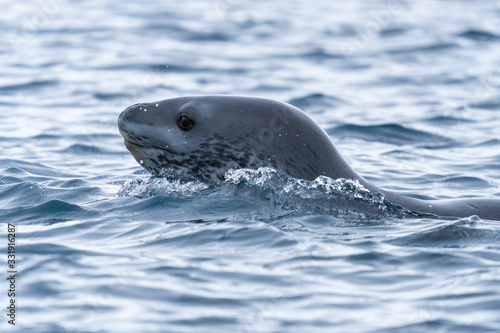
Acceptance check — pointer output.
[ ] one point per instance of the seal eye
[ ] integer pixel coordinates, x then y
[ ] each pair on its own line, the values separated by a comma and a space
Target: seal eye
185, 123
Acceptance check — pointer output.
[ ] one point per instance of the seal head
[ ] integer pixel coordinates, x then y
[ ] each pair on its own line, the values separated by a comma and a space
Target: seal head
206, 136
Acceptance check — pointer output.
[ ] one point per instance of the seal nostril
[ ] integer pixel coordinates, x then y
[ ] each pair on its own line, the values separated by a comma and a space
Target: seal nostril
130, 110
132, 106
132, 115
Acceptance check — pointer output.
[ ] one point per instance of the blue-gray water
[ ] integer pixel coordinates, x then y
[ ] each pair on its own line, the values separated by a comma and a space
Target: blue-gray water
408, 91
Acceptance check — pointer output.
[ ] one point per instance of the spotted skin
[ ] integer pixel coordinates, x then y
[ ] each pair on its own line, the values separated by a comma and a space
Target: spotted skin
209, 162
229, 132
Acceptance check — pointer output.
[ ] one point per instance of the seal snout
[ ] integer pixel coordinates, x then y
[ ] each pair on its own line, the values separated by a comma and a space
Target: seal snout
145, 125
133, 114
130, 121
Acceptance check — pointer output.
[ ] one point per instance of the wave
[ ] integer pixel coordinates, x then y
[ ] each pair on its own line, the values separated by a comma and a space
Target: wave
465, 232
53, 211
29, 85
316, 102
479, 35
279, 194
390, 133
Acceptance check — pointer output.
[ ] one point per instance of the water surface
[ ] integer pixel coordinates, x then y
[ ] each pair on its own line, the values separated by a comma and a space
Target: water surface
408, 91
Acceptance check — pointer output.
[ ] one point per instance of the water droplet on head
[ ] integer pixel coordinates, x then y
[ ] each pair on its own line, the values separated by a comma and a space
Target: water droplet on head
156, 105
141, 162
145, 110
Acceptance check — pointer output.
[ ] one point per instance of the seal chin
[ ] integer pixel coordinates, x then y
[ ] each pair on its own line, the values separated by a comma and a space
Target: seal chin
147, 157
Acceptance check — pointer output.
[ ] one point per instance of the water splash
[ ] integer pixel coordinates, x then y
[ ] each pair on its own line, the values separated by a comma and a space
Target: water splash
283, 195
160, 186
322, 195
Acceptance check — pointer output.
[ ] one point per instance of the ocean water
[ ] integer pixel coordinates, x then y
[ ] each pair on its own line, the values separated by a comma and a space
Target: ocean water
407, 90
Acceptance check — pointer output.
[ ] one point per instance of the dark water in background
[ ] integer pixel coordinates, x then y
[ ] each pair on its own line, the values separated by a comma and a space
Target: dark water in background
409, 93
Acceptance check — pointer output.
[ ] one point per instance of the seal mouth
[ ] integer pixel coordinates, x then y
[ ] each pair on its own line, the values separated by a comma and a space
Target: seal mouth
153, 159
135, 144
128, 136
131, 140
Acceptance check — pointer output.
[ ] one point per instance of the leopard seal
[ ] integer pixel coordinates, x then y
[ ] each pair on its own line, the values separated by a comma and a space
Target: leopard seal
205, 136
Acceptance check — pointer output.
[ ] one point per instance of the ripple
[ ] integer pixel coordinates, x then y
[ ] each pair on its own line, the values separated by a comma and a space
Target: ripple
52, 211
390, 133
435, 47
470, 182
448, 120
487, 143
30, 170
110, 96
21, 194
393, 31
466, 232
81, 149
29, 85
493, 105
480, 35
438, 325
315, 103
207, 36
